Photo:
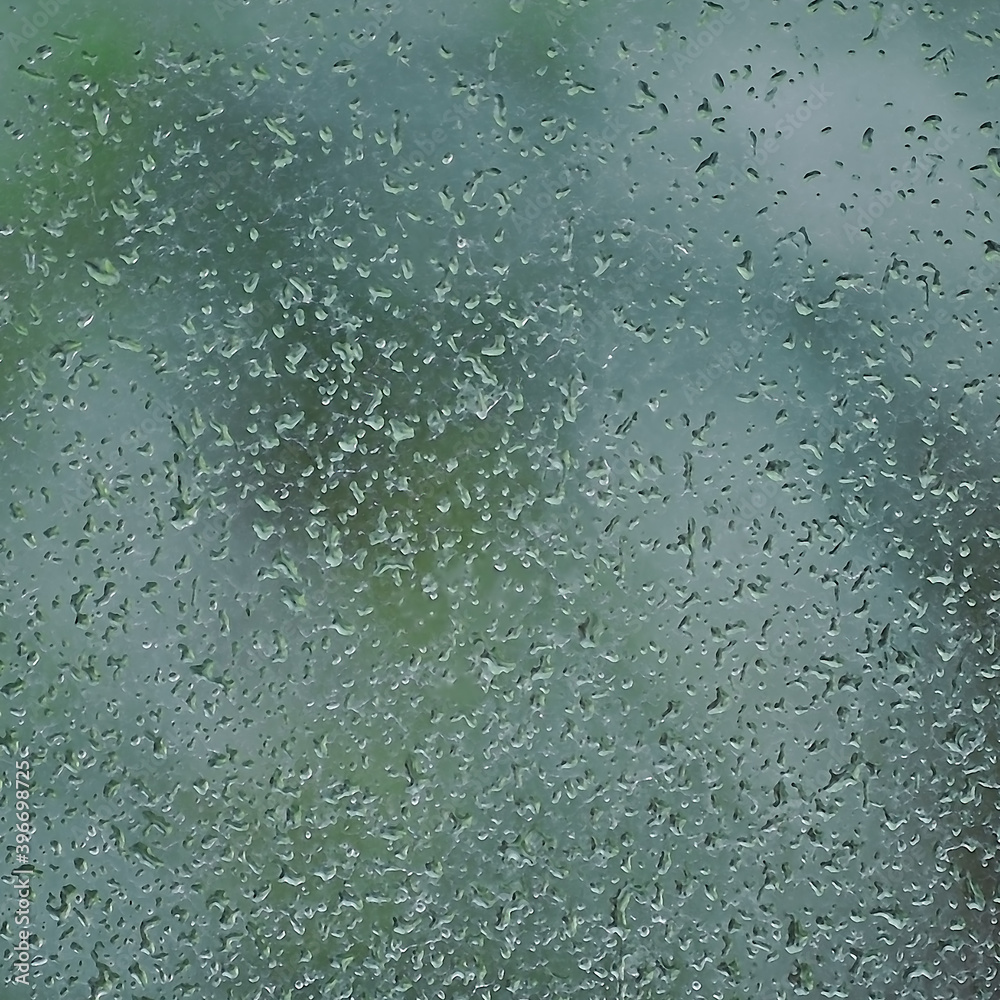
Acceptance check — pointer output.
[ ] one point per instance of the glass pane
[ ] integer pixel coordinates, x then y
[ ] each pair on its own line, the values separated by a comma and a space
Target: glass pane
499, 499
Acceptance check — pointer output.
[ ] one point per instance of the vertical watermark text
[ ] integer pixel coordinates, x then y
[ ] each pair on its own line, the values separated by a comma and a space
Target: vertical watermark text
20, 877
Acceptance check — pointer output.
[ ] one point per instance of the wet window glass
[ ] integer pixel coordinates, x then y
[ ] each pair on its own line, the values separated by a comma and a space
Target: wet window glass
500, 499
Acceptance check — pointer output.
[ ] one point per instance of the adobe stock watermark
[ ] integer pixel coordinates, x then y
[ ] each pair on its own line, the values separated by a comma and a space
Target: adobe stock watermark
733, 357
224, 7
707, 36
359, 37
428, 145
794, 120
883, 198
766, 144
32, 23
722, 363
889, 21
526, 211
808, 458
20, 876
224, 181
526, 214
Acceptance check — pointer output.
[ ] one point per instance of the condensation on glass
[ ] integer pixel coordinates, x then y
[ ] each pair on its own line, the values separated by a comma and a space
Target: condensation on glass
500, 499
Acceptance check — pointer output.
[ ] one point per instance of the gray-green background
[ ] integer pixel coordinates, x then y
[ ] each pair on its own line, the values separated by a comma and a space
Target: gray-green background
501, 497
